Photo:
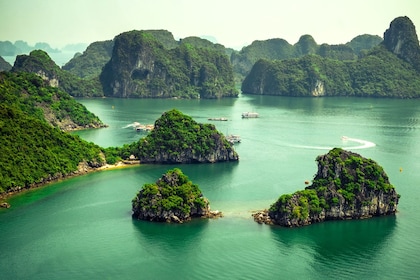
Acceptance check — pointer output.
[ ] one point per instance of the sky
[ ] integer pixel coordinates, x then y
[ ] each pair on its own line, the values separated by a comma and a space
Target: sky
232, 23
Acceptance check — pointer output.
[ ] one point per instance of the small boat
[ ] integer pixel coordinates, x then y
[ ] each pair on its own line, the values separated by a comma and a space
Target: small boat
217, 119
247, 115
344, 138
233, 138
143, 127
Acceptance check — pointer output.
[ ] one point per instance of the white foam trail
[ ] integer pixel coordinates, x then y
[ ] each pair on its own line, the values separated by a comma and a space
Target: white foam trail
365, 144
134, 124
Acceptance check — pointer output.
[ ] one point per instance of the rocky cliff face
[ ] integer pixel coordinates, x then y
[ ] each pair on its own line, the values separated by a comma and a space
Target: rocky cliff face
173, 198
346, 186
4, 65
141, 66
401, 39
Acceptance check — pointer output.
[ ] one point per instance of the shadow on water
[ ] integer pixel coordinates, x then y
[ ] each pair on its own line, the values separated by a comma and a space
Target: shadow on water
335, 240
169, 245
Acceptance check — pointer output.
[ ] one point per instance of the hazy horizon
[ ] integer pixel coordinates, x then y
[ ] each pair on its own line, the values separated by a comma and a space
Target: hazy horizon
232, 23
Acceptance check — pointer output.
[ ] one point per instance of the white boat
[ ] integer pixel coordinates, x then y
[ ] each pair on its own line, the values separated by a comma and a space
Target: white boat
144, 127
233, 138
217, 119
247, 115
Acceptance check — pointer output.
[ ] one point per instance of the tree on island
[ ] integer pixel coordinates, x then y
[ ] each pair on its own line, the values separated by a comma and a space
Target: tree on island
346, 186
173, 198
177, 138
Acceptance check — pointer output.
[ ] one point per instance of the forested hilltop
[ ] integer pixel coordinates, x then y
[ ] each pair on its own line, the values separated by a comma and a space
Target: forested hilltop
40, 63
389, 70
32, 150
280, 49
32, 95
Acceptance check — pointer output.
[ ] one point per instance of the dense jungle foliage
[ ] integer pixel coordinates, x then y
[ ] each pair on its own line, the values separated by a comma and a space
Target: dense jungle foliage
31, 94
280, 49
379, 73
32, 150
175, 135
173, 192
89, 64
349, 177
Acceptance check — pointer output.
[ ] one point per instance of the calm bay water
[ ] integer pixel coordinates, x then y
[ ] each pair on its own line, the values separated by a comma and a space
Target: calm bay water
81, 228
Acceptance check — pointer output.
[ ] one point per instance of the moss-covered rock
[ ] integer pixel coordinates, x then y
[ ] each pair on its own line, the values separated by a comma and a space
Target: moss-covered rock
177, 138
173, 198
346, 186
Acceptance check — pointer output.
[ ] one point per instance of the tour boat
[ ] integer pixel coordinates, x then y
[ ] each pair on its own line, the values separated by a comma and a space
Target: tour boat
250, 115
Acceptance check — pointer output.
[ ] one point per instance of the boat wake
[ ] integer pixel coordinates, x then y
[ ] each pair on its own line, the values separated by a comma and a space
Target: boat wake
364, 144
134, 124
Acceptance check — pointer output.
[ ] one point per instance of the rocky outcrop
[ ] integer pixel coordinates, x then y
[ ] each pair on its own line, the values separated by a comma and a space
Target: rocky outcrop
40, 63
141, 66
4, 65
173, 198
346, 186
177, 138
401, 39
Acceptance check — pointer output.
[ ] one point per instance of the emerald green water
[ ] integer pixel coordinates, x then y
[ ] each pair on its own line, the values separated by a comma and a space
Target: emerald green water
81, 228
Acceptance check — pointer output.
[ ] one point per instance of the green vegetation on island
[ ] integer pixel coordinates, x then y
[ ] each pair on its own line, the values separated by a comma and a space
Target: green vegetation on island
280, 49
173, 198
177, 138
34, 149
89, 64
141, 66
346, 186
32, 152
31, 94
40, 63
388, 70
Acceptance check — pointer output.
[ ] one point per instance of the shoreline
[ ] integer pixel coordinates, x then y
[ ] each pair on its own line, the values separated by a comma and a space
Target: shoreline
4, 204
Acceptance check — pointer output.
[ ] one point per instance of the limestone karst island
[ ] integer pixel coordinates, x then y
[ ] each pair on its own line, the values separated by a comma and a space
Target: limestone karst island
173, 198
346, 186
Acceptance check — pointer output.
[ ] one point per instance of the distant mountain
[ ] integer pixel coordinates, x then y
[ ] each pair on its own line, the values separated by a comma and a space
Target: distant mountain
90, 63
391, 69
141, 66
364, 42
279, 49
79, 47
4, 65
7, 48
